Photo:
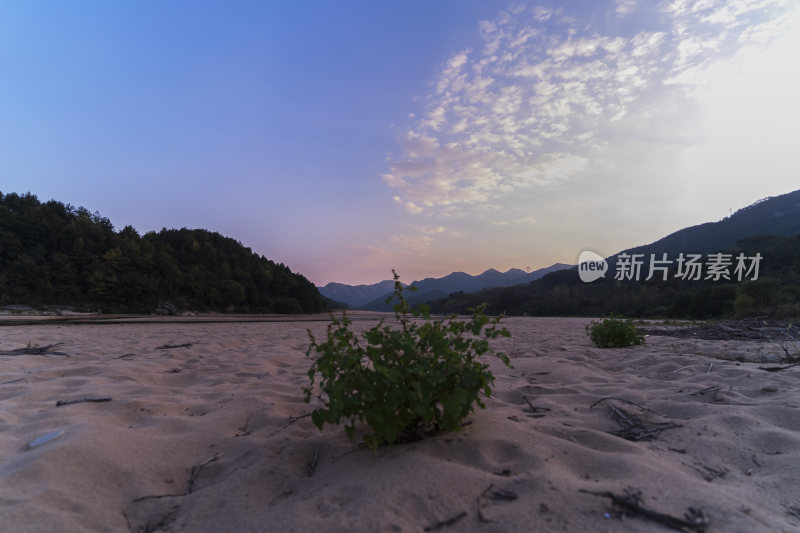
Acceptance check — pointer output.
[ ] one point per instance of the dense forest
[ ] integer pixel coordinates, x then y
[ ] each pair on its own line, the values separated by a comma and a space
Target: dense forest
57, 254
775, 293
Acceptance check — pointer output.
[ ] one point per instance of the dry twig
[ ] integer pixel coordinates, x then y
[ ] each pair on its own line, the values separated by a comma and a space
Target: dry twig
312, 466
168, 346
630, 502
36, 350
196, 469
59, 403
447, 523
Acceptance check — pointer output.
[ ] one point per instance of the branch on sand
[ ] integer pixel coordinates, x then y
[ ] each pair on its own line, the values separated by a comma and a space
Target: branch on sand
634, 428
630, 502
447, 523
292, 420
196, 469
36, 350
59, 403
170, 346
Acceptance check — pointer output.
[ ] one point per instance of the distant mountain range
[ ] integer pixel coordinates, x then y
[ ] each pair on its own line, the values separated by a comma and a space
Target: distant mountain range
556, 290
373, 297
770, 227
356, 295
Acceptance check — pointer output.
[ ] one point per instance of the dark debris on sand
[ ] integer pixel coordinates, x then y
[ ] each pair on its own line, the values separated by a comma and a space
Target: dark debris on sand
739, 330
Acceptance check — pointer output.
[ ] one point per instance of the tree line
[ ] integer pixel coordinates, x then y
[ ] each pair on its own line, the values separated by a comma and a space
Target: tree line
57, 254
776, 292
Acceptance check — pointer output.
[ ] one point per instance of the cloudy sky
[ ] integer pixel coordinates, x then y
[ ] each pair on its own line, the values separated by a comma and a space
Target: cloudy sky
345, 139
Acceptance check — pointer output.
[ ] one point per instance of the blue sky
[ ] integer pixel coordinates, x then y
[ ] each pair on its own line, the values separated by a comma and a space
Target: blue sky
345, 139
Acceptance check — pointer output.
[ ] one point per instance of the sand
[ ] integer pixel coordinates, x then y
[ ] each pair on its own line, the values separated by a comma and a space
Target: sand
214, 436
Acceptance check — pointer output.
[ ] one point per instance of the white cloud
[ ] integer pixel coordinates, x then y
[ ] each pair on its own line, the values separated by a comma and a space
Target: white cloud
521, 221
625, 6
544, 93
431, 230
409, 206
434, 119
411, 242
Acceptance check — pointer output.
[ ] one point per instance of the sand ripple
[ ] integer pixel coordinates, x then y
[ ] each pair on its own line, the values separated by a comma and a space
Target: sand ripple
215, 436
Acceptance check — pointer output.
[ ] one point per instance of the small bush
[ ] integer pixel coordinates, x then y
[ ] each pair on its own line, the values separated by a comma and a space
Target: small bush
404, 383
614, 333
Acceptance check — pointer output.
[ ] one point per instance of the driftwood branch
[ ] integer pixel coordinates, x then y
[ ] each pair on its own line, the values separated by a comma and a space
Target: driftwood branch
196, 469
634, 428
168, 346
479, 499
490, 493
447, 523
713, 388
777, 368
292, 420
619, 400
505, 495
36, 350
708, 473
534, 408
155, 497
312, 466
59, 403
741, 330
245, 429
123, 356
694, 520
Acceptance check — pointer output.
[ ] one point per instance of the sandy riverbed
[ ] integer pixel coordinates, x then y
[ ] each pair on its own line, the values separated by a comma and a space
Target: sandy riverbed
211, 436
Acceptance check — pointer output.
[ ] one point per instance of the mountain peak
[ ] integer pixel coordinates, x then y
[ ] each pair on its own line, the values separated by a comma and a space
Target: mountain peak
374, 297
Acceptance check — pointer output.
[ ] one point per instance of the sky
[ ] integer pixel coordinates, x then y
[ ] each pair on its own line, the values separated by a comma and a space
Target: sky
345, 139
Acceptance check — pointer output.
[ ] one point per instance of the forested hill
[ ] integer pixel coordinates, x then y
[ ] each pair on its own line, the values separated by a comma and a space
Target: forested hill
56, 254
778, 215
769, 227
776, 292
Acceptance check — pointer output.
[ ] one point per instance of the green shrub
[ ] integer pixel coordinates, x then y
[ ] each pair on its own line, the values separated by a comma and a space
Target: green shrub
744, 306
404, 382
614, 333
